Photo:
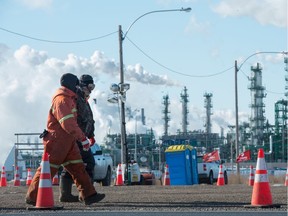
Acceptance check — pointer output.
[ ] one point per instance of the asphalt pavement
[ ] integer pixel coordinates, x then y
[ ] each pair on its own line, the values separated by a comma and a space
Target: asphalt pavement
154, 198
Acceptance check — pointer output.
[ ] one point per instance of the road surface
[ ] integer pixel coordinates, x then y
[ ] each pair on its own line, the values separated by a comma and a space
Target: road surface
156, 198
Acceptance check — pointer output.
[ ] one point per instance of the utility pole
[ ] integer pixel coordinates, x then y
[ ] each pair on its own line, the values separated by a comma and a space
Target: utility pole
237, 122
124, 149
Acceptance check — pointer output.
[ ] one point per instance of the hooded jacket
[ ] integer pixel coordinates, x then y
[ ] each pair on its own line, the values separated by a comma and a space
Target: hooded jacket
62, 118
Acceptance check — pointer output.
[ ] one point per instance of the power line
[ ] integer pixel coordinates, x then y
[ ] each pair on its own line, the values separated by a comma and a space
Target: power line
177, 72
152, 59
55, 41
96, 38
264, 52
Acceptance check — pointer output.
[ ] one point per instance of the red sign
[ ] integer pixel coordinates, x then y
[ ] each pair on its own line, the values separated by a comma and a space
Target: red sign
244, 156
212, 156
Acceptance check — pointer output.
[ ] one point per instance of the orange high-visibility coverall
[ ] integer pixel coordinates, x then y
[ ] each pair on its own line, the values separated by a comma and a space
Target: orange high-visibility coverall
60, 144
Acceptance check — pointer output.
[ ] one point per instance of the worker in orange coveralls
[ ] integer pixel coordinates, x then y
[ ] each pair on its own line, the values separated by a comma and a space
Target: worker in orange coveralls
60, 143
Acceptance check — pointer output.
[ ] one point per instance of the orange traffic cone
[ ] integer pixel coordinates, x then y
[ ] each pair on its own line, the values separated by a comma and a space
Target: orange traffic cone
220, 180
286, 178
29, 177
166, 176
251, 177
17, 177
3, 182
55, 180
45, 193
119, 179
261, 195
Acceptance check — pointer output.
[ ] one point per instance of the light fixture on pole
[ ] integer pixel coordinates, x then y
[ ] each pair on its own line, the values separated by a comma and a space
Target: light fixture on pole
122, 36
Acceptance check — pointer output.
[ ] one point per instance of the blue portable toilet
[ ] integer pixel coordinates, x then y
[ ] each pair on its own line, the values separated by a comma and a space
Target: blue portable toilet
194, 166
178, 158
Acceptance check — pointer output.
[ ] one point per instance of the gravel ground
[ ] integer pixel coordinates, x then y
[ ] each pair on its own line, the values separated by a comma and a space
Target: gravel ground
234, 197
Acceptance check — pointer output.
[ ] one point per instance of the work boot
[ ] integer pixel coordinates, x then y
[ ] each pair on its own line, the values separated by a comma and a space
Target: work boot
65, 187
94, 198
30, 202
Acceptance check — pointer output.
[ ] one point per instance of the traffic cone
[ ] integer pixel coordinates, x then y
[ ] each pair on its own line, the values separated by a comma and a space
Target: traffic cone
251, 177
286, 178
119, 179
166, 181
55, 180
45, 193
220, 180
3, 182
29, 177
17, 177
261, 195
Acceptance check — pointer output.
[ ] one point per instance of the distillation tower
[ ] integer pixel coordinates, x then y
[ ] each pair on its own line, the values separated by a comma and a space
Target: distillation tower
281, 128
257, 118
281, 123
166, 112
281, 107
208, 106
184, 100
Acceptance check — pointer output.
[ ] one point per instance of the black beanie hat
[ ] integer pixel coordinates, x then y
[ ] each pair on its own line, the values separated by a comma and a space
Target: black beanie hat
69, 81
86, 79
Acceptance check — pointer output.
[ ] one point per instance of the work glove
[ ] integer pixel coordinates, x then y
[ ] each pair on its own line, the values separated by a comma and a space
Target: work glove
86, 144
92, 141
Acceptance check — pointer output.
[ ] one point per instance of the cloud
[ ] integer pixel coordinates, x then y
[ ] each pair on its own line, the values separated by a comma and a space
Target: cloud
27, 56
30, 77
274, 58
37, 4
3, 52
195, 26
266, 12
137, 73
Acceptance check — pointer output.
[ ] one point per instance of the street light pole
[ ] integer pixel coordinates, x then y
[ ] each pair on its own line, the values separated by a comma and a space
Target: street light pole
122, 105
124, 149
237, 122
135, 153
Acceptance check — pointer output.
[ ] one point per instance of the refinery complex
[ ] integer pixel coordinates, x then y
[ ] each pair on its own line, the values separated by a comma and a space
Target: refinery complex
149, 151
256, 133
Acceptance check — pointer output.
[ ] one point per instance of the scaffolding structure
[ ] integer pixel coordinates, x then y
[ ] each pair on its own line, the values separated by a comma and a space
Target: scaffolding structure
184, 100
208, 106
257, 105
281, 129
166, 112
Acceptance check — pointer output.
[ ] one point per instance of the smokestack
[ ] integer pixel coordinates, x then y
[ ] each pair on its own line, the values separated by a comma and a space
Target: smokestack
142, 116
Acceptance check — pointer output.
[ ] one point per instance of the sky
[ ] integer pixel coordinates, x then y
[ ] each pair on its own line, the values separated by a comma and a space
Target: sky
162, 53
